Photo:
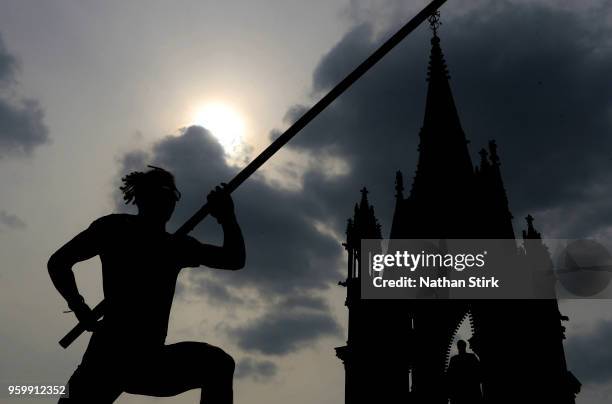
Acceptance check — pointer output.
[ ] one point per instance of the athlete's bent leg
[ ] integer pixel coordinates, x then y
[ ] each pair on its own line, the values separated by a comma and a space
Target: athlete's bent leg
184, 366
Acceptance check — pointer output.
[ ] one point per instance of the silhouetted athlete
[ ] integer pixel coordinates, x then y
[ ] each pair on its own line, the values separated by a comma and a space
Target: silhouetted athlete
140, 265
464, 377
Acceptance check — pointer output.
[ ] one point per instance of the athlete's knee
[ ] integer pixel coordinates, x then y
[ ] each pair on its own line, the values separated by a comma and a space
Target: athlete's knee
226, 362
215, 361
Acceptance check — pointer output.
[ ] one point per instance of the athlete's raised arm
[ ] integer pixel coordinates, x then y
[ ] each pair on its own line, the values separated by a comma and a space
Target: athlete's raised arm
231, 255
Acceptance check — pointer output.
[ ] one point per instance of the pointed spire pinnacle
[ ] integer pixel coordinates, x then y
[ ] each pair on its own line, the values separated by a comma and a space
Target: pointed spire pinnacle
364, 198
484, 161
443, 151
440, 110
437, 64
437, 68
531, 232
493, 151
364, 223
399, 185
434, 22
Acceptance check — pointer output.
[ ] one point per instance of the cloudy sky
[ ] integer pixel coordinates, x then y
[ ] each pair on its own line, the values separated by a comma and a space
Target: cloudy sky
91, 90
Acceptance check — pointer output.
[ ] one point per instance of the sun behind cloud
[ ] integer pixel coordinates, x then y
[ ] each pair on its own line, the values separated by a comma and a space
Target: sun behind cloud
224, 122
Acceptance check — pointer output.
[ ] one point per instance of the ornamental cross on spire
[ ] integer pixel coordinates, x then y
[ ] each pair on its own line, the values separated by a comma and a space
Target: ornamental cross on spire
434, 22
364, 193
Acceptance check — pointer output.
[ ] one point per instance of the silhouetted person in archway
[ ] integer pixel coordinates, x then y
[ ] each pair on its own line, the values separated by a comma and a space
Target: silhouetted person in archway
140, 265
464, 377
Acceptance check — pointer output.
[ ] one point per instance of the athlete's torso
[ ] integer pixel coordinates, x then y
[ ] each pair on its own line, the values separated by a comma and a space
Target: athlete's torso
139, 268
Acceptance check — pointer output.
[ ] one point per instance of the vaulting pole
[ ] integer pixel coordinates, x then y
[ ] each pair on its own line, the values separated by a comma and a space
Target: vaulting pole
293, 130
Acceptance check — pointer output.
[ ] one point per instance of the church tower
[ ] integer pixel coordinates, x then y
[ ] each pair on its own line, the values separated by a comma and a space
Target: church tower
397, 350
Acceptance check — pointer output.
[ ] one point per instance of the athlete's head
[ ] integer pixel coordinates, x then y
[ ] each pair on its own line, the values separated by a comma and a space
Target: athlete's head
461, 346
153, 191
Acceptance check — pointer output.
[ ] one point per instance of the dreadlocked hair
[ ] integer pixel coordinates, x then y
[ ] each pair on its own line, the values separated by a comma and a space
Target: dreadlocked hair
138, 182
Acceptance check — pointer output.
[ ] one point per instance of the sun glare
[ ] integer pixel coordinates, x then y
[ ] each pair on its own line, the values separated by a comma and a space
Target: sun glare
223, 122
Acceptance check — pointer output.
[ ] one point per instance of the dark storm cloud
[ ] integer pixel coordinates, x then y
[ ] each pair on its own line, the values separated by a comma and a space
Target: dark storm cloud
591, 356
283, 331
258, 370
532, 77
287, 257
22, 125
10, 221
